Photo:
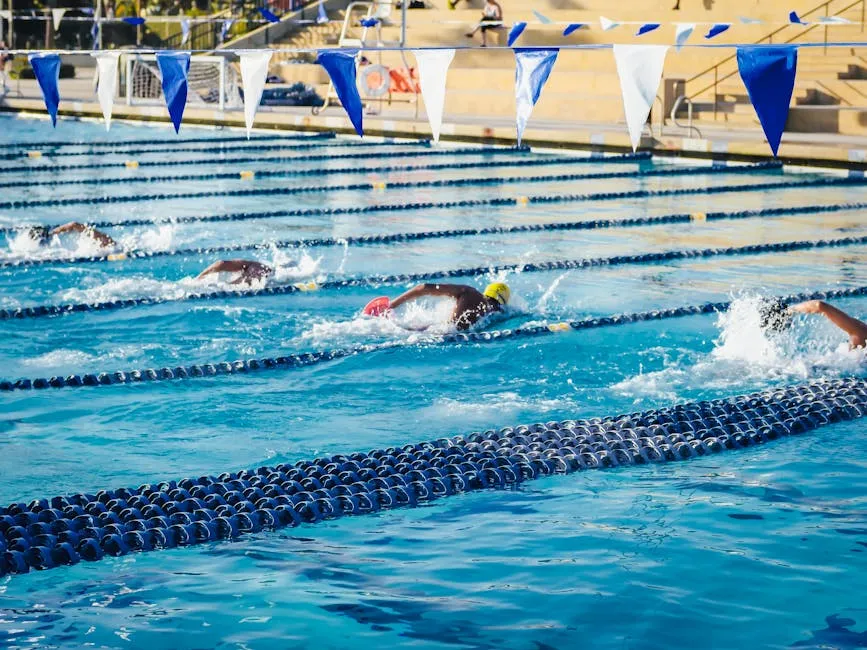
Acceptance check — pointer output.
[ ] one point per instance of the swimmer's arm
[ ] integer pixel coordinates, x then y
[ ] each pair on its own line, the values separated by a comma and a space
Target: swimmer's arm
422, 290
856, 329
74, 226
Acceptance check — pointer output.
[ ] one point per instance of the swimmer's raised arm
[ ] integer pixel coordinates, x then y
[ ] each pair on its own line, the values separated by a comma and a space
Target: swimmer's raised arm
456, 291
856, 329
74, 226
249, 270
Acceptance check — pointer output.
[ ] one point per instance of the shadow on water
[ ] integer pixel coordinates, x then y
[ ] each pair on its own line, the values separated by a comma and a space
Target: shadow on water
837, 635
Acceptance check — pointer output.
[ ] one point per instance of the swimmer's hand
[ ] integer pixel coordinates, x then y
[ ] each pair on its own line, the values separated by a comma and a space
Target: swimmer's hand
808, 307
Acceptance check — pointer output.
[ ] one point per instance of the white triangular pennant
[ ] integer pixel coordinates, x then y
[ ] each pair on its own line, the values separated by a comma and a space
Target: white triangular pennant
682, 32
835, 20
607, 23
254, 72
640, 70
56, 17
6, 15
433, 68
749, 21
185, 30
106, 63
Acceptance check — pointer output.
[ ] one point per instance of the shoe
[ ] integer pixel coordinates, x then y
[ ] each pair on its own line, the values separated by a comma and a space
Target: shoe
469, 34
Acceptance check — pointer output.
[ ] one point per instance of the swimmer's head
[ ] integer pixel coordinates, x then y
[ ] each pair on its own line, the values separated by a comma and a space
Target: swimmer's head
39, 234
774, 315
498, 291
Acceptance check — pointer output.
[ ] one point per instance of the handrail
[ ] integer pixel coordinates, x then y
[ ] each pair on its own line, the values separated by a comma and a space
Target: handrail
770, 39
683, 99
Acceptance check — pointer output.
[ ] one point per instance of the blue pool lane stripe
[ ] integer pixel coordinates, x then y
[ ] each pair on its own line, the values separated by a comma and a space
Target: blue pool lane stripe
292, 361
402, 237
401, 185
64, 530
103, 146
548, 161
379, 280
424, 152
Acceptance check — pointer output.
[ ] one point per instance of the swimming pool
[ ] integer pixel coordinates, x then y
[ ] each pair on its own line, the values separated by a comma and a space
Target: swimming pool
750, 548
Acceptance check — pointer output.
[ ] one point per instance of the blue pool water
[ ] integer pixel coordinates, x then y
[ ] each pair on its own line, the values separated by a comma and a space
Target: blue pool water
754, 548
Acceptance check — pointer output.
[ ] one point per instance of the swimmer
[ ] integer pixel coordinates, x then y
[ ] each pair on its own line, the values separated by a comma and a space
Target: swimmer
42, 234
249, 271
470, 304
856, 329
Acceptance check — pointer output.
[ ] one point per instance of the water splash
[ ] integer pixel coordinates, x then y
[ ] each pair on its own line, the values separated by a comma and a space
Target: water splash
745, 356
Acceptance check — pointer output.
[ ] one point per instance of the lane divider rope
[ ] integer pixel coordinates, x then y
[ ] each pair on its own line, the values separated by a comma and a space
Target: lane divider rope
102, 146
363, 240
65, 530
245, 367
451, 182
380, 280
217, 147
477, 203
363, 155
290, 173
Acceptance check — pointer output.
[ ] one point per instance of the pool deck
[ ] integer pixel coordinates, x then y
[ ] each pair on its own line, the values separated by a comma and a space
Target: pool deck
718, 142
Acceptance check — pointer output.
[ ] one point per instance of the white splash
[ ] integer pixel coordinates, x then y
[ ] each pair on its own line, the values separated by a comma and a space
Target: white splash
744, 355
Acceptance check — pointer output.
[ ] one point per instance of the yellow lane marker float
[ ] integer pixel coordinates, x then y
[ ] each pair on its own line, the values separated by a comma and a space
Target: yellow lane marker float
34, 154
116, 257
700, 217
379, 185
131, 164
559, 327
306, 286
247, 175
522, 200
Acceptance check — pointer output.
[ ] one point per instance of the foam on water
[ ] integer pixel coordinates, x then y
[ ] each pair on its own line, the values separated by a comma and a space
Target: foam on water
743, 352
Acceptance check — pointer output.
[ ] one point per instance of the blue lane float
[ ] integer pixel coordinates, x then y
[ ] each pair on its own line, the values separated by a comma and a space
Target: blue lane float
407, 278
103, 146
423, 145
402, 237
548, 161
295, 361
65, 530
401, 185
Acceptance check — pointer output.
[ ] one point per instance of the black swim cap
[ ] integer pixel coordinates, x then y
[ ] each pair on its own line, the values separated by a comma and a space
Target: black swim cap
774, 315
40, 234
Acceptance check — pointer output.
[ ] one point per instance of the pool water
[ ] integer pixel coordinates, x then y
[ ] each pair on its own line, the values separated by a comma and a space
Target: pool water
762, 548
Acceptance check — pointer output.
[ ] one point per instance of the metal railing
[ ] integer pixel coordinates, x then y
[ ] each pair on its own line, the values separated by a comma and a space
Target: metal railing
719, 76
683, 99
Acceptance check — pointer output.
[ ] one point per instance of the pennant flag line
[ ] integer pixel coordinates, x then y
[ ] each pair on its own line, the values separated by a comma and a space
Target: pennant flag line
769, 76
682, 33
717, 29
254, 72
607, 24
340, 66
532, 68
56, 17
640, 70
515, 33
174, 67
433, 68
46, 67
106, 64
542, 19
647, 27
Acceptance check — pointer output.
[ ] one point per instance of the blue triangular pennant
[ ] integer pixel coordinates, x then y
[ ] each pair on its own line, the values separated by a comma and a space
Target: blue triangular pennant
647, 27
572, 27
532, 68
340, 66
769, 76
717, 29
46, 67
134, 21
795, 19
174, 67
269, 16
515, 33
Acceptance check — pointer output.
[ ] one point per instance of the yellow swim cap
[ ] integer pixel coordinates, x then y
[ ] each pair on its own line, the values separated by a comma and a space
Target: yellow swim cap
498, 291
